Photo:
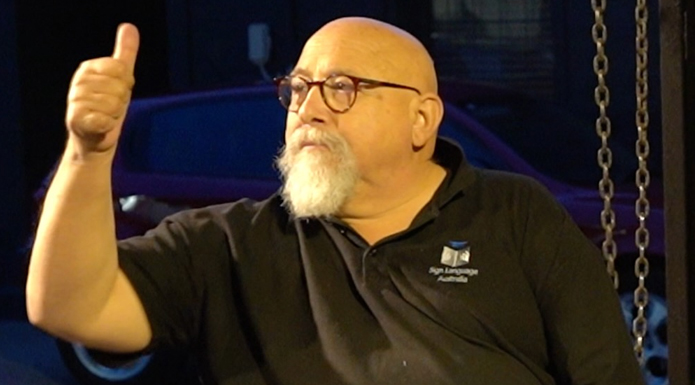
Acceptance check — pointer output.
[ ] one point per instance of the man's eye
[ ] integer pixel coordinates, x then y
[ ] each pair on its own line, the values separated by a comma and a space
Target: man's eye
298, 87
342, 85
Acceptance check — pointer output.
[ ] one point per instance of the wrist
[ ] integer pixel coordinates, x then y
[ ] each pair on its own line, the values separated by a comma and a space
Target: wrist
77, 153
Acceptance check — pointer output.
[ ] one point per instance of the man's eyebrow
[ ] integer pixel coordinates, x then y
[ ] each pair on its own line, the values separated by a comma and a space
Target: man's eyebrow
304, 72
299, 71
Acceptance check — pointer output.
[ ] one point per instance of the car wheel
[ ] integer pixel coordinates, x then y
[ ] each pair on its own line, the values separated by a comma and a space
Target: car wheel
92, 367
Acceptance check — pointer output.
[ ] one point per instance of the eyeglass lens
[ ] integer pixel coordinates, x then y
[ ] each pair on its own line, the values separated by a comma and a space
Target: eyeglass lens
338, 92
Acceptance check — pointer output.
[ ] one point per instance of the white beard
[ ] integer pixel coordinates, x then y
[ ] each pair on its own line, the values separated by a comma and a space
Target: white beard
317, 181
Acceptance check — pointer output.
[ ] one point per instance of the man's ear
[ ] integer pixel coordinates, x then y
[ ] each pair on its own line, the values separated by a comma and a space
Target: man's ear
428, 115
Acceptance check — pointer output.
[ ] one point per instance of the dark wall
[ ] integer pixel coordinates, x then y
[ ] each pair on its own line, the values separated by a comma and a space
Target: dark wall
208, 40
13, 201
54, 37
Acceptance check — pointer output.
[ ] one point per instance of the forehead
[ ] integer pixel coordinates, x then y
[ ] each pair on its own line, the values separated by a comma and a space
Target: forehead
323, 56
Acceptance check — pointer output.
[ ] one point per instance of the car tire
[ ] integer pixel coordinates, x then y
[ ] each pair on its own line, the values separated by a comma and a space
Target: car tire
95, 368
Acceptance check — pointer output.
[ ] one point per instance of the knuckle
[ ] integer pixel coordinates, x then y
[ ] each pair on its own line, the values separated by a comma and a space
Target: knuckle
83, 120
113, 106
85, 66
121, 71
92, 66
125, 95
104, 66
95, 122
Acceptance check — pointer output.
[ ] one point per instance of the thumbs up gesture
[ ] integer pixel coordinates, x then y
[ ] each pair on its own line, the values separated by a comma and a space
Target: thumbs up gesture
99, 95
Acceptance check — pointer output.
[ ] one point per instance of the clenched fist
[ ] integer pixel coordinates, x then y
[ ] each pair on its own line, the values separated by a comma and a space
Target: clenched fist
100, 93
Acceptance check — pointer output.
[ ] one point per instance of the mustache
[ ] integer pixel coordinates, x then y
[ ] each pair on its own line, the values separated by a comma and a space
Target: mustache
312, 136
306, 135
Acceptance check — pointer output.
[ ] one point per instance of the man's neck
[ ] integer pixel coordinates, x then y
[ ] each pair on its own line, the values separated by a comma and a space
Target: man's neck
377, 212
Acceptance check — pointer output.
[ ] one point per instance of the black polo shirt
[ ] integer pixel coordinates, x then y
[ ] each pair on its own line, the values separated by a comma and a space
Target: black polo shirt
491, 284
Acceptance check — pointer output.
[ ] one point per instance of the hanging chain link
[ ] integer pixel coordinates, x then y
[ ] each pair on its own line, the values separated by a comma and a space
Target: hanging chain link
603, 129
641, 295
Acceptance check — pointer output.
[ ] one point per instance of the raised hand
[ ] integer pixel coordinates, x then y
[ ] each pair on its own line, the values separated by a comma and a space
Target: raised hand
99, 95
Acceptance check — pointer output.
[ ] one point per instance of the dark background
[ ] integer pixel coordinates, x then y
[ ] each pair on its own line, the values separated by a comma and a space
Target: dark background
188, 45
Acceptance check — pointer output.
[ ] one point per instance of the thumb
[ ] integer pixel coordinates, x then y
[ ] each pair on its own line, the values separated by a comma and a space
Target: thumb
127, 43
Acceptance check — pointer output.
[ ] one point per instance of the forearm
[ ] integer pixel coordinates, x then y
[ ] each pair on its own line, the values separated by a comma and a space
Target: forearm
74, 259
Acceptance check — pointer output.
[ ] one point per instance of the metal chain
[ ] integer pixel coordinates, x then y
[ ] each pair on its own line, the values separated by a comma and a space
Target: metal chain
603, 129
641, 295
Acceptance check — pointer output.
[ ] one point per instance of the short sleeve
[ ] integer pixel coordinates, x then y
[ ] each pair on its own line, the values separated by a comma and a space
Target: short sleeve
160, 267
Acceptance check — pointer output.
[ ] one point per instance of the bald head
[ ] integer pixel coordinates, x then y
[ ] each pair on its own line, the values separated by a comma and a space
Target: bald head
386, 51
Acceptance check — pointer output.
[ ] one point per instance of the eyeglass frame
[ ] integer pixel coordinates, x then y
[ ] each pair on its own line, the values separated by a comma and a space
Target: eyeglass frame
356, 81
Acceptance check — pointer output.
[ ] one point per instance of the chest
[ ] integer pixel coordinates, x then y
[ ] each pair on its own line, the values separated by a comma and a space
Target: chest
455, 284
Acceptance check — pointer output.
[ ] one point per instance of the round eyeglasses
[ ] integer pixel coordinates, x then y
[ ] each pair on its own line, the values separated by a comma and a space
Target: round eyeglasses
338, 91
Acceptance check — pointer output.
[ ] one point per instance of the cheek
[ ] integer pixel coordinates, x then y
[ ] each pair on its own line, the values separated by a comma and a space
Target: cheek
376, 138
290, 121
368, 149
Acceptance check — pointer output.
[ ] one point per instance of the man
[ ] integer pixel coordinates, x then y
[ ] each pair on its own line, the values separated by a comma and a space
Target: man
385, 259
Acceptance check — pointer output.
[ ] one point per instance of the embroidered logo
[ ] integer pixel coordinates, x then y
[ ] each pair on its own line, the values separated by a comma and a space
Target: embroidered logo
454, 255
458, 253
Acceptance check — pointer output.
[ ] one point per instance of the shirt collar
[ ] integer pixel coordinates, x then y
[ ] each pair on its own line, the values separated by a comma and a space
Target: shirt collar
459, 176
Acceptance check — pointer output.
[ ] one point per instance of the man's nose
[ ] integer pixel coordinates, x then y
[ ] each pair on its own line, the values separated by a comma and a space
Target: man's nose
313, 108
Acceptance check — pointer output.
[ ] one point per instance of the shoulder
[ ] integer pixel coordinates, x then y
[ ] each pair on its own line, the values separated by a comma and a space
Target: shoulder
215, 222
506, 188
525, 207
512, 181
241, 213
